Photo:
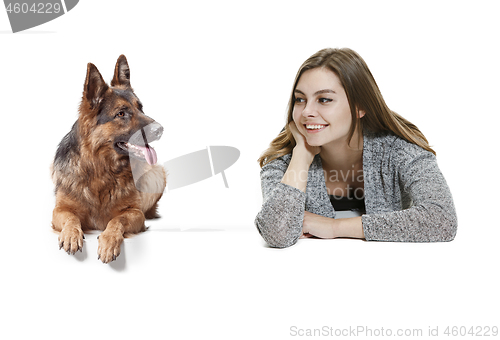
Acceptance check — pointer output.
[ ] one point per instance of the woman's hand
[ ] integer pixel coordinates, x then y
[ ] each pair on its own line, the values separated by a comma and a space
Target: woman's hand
317, 225
301, 146
325, 227
302, 157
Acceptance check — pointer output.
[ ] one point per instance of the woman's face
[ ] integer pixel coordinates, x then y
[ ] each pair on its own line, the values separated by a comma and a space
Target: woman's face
321, 110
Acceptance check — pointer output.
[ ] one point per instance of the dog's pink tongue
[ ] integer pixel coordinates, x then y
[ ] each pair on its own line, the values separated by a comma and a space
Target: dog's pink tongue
149, 153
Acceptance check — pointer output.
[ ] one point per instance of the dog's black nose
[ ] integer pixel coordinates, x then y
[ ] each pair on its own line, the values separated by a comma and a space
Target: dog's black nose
147, 134
156, 130
153, 131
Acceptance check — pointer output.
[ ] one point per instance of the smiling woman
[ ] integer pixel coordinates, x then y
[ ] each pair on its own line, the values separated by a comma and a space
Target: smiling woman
339, 124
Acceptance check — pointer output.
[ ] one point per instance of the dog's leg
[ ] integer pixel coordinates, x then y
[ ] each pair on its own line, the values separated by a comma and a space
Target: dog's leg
130, 221
69, 228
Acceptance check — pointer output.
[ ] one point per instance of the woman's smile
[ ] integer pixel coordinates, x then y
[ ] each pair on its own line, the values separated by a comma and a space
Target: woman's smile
315, 128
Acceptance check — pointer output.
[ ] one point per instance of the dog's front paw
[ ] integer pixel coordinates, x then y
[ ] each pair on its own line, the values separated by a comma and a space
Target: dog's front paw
109, 246
71, 239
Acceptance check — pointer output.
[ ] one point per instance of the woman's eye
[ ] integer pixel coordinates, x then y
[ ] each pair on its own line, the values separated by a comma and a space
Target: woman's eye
299, 100
325, 100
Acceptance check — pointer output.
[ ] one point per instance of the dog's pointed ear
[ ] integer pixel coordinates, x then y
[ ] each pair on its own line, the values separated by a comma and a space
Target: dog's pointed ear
94, 87
122, 73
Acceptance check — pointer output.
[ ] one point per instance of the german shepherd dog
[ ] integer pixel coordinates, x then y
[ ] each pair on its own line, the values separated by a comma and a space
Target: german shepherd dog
96, 162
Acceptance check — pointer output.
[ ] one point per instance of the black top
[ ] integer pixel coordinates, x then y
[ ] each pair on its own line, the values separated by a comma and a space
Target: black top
341, 203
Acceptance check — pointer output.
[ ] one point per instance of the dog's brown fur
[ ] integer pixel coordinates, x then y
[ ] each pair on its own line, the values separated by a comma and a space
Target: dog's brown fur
95, 188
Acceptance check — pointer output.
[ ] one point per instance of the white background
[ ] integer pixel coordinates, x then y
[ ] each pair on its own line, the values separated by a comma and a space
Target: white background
220, 73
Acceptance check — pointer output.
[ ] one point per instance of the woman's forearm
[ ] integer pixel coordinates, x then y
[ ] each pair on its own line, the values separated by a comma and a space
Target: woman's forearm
349, 227
325, 227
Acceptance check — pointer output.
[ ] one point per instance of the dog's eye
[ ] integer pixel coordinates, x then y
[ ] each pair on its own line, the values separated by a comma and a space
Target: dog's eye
120, 114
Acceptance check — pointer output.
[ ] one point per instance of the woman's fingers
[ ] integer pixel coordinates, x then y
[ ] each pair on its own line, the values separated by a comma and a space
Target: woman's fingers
300, 140
295, 132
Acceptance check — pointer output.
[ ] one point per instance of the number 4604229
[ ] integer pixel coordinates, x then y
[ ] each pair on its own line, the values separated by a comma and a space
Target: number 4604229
471, 331
34, 8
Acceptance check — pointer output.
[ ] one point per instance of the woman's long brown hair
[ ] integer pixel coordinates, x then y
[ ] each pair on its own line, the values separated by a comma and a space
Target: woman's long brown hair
362, 93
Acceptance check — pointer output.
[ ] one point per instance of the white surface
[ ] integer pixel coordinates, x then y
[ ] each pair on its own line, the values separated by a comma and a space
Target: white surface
220, 74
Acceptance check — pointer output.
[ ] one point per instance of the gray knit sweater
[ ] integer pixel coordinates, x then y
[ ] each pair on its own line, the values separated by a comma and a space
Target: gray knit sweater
406, 196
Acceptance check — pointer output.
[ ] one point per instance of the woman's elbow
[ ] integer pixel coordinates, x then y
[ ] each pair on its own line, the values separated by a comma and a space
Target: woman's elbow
449, 231
447, 225
277, 236
279, 242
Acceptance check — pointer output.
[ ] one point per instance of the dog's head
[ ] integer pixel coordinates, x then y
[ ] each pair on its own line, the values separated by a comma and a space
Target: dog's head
112, 120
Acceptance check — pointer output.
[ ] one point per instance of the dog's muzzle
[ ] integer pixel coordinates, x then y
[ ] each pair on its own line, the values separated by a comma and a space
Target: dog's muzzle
138, 144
